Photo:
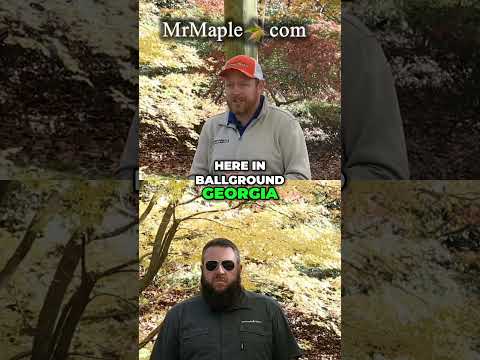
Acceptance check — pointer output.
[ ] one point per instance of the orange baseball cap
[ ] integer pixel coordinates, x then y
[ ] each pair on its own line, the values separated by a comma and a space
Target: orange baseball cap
246, 65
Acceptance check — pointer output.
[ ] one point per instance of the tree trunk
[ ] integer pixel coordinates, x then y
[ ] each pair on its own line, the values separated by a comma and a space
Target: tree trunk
35, 227
79, 302
4, 188
44, 338
150, 336
150, 206
244, 13
161, 246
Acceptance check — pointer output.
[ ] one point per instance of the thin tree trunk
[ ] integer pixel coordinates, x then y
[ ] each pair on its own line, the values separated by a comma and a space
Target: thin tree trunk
150, 336
150, 206
80, 300
240, 12
35, 227
157, 247
4, 189
44, 338
158, 258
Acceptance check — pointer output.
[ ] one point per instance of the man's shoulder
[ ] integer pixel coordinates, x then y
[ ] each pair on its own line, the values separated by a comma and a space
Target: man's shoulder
217, 119
257, 299
360, 46
281, 115
191, 302
352, 24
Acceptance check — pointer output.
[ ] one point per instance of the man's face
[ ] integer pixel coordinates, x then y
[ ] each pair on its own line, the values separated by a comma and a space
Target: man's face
220, 278
242, 92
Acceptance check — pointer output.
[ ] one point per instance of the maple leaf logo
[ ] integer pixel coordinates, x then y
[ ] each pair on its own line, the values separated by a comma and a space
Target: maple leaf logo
257, 33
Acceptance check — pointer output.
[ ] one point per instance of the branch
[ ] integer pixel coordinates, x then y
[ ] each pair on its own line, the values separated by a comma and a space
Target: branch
115, 269
150, 206
216, 222
150, 336
438, 195
109, 316
90, 356
290, 101
133, 305
124, 211
22, 250
463, 197
115, 232
144, 256
189, 201
210, 211
433, 194
455, 232
84, 269
21, 355
279, 103
292, 218
408, 292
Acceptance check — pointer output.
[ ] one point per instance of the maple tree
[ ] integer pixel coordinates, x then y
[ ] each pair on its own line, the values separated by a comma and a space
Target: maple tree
180, 87
410, 256
297, 235
67, 279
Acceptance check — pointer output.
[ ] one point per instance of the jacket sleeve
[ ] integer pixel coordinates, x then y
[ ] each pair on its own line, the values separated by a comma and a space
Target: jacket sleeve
129, 160
294, 152
200, 160
167, 346
285, 346
373, 141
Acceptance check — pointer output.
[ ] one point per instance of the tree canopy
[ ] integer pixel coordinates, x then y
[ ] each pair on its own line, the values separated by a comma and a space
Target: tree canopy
290, 250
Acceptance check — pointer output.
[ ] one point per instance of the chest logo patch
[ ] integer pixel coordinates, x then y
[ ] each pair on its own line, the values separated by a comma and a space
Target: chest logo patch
220, 141
251, 322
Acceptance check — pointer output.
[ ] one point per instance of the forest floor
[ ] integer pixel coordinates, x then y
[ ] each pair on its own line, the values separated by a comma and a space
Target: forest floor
68, 90
442, 140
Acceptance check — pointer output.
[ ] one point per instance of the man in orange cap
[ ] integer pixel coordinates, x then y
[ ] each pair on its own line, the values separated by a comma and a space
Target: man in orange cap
251, 129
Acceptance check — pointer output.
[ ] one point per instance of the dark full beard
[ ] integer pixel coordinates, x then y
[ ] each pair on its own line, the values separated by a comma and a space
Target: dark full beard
223, 300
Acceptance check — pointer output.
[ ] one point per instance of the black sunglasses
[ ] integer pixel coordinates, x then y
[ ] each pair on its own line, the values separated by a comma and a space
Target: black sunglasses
228, 265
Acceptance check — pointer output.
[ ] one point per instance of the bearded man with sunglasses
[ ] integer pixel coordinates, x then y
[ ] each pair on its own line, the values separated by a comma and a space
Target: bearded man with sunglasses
225, 321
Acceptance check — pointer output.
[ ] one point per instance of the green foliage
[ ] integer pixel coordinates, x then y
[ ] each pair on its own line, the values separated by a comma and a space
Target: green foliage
86, 201
171, 4
179, 83
172, 83
69, 205
390, 309
304, 10
166, 53
326, 116
270, 238
290, 250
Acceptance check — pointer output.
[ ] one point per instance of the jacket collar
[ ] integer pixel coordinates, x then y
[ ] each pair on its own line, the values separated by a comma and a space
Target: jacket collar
242, 303
259, 115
